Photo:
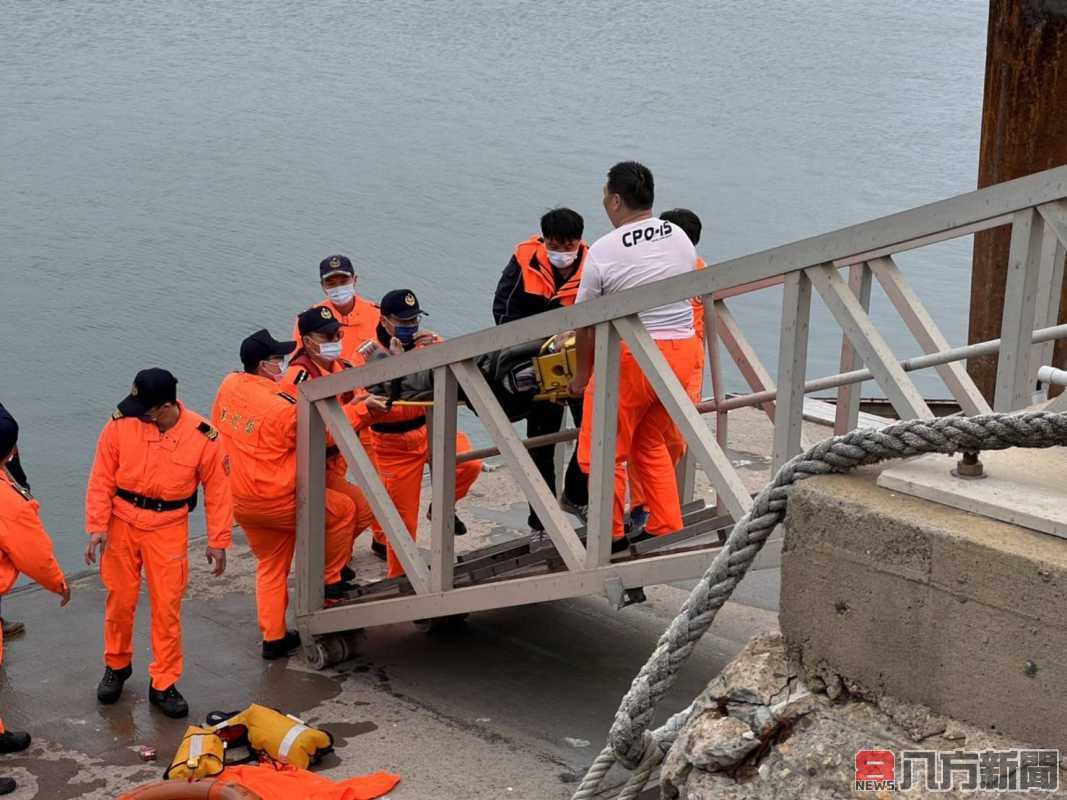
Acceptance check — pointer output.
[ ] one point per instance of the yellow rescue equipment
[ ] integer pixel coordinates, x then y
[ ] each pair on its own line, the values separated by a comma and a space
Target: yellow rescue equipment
283, 737
555, 366
200, 755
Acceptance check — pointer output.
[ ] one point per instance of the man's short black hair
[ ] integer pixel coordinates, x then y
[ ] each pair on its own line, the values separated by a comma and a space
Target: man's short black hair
633, 183
562, 223
686, 220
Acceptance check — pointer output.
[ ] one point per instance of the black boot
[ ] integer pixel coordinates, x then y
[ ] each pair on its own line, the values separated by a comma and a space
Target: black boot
458, 528
7, 785
280, 648
620, 545
169, 701
14, 741
337, 591
378, 548
347, 574
110, 687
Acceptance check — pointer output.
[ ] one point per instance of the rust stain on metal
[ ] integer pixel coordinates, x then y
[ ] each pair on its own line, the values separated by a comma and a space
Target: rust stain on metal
1024, 130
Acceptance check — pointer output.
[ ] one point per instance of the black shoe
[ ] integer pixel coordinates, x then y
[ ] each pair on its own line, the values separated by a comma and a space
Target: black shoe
110, 687
280, 648
378, 548
7, 785
337, 591
169, 701
458, 528
347, 574
534, 524
14, 741
620, 545
643, 536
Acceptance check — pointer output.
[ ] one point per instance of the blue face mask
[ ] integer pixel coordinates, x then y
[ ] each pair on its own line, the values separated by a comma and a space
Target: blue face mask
406, 333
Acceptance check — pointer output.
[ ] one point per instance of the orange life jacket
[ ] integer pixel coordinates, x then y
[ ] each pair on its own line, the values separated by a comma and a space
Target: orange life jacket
538, 275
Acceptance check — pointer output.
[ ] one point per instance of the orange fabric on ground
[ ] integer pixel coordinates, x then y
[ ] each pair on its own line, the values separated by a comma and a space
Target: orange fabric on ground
287, 783
136, 456
163, 554
25, 546
359, 324
401, 459
646, 437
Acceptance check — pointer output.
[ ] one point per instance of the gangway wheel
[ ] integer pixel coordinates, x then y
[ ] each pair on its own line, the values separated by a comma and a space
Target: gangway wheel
325, 651
451, 622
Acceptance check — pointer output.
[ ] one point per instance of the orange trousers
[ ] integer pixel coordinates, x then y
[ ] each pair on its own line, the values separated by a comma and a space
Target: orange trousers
336, 480
646, 436
675, 447
401, 460
163, 554
270, 526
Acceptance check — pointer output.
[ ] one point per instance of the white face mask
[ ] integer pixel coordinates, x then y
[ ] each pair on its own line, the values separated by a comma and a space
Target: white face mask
275, 376
329, 351
561, 259
342, 295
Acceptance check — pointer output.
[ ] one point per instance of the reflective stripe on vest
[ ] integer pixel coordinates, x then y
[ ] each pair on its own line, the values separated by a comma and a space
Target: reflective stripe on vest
290, 738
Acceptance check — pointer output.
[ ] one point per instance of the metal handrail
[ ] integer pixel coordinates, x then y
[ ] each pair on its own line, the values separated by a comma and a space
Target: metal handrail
958, 216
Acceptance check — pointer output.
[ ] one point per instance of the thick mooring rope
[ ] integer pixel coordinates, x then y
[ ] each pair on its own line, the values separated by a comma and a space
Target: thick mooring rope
630, 742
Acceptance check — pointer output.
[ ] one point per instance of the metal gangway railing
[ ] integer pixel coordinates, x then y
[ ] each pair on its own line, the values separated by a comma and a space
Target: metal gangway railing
1036, 209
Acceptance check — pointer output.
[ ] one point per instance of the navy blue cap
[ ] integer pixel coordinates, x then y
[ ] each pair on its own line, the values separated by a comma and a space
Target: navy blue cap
9, 432
335, 265
151, 387
261, 346
317, 319
401, 303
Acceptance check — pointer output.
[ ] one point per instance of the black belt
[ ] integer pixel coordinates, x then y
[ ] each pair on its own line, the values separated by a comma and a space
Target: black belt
399, 427
154, 503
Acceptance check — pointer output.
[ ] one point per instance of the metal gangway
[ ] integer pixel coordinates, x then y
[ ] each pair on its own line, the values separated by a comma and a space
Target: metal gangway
840, 267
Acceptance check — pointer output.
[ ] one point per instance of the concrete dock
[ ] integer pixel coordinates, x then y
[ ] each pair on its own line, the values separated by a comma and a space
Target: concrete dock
513, 704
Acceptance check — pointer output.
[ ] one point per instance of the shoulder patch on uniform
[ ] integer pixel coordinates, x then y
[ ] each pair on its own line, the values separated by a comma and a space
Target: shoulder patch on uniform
287, 397
117, 415
208, 431
301, 376
21, 490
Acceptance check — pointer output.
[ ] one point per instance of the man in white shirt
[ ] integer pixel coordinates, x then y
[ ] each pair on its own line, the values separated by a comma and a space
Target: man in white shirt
642, 249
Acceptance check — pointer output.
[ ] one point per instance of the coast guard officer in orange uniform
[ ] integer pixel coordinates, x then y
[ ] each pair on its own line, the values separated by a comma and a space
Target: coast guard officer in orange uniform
318, 353
399, 435
25, 548
357, 320
642, 249
151, 457
257, 419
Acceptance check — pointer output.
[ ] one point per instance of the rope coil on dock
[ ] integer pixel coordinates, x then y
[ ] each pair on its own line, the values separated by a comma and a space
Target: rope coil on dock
630, 741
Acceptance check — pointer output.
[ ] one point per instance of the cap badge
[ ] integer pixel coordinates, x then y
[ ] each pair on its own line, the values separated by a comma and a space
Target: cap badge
133, 390
326, 313
409, 299
335, 262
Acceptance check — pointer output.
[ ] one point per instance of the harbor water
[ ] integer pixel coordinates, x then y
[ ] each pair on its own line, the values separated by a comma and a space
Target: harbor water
172, 172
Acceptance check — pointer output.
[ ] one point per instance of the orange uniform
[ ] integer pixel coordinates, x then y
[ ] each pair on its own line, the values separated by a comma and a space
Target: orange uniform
646, 437
402, 451
359, 324
138, 470
257, 420
696, 383
302, 367
25, 547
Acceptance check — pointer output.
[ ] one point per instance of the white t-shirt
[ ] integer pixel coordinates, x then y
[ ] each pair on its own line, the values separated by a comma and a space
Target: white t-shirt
636, 254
